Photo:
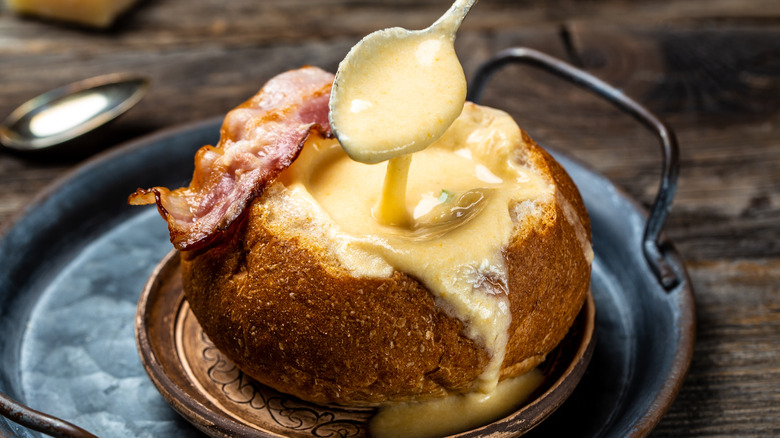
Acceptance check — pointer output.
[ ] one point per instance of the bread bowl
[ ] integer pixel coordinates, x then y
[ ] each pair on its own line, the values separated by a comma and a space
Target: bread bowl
274, 284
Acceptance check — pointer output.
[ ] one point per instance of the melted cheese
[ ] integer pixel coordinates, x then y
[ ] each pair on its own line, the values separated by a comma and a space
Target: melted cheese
395, 94
400, 94
453, 414
463, 188
391, 208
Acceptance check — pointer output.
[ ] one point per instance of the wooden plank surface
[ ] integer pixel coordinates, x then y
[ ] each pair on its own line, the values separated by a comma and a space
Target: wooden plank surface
709, 68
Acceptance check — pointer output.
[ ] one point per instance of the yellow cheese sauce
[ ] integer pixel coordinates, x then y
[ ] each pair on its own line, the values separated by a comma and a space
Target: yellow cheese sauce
391, 208
456, 413
395, 93
400, 95
464, 191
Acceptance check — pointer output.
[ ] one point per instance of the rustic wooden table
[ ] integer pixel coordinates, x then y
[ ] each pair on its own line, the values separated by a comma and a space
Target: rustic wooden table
710, 69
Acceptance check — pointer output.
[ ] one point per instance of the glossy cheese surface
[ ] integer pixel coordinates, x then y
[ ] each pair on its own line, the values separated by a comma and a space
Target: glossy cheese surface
455, 413
399, 95
464, 191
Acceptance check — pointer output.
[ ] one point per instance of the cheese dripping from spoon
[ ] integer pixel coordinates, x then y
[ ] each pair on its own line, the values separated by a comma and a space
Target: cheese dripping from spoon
395, 93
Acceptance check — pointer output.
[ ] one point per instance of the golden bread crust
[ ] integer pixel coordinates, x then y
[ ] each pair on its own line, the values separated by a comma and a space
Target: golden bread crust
549, 273
289, 323
292, 321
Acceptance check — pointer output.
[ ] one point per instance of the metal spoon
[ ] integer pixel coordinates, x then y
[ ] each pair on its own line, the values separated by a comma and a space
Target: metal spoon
395, 93
57, 117
367, 92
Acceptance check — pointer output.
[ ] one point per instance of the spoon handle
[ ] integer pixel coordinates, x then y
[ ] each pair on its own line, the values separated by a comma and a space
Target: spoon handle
451, 20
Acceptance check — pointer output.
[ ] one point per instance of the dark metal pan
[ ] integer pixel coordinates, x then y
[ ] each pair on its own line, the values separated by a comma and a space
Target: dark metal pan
73, 263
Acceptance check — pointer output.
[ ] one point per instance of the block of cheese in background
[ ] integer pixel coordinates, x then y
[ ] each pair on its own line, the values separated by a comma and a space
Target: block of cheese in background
96, 13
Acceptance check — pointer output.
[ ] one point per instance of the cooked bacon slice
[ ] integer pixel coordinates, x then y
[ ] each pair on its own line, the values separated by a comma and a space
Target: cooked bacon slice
258, 140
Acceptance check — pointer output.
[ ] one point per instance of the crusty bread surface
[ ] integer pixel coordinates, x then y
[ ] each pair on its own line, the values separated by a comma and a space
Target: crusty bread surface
279, 309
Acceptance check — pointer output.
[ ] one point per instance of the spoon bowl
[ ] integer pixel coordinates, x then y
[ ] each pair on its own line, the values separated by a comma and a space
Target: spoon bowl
62, 115
398, 90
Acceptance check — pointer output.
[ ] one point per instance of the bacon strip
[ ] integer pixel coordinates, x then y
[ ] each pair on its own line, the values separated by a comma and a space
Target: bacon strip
258, 140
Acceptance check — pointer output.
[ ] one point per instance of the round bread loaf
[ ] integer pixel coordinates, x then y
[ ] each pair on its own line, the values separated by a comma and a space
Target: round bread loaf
281, 307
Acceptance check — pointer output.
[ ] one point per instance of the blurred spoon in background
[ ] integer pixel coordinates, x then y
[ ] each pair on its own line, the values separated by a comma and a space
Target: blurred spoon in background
59, 118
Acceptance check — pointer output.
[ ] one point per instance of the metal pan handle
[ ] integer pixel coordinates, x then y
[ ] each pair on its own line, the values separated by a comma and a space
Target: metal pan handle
652, 246
38, 421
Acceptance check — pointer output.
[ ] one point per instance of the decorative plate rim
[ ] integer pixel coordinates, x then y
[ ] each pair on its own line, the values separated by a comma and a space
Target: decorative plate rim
212, 421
